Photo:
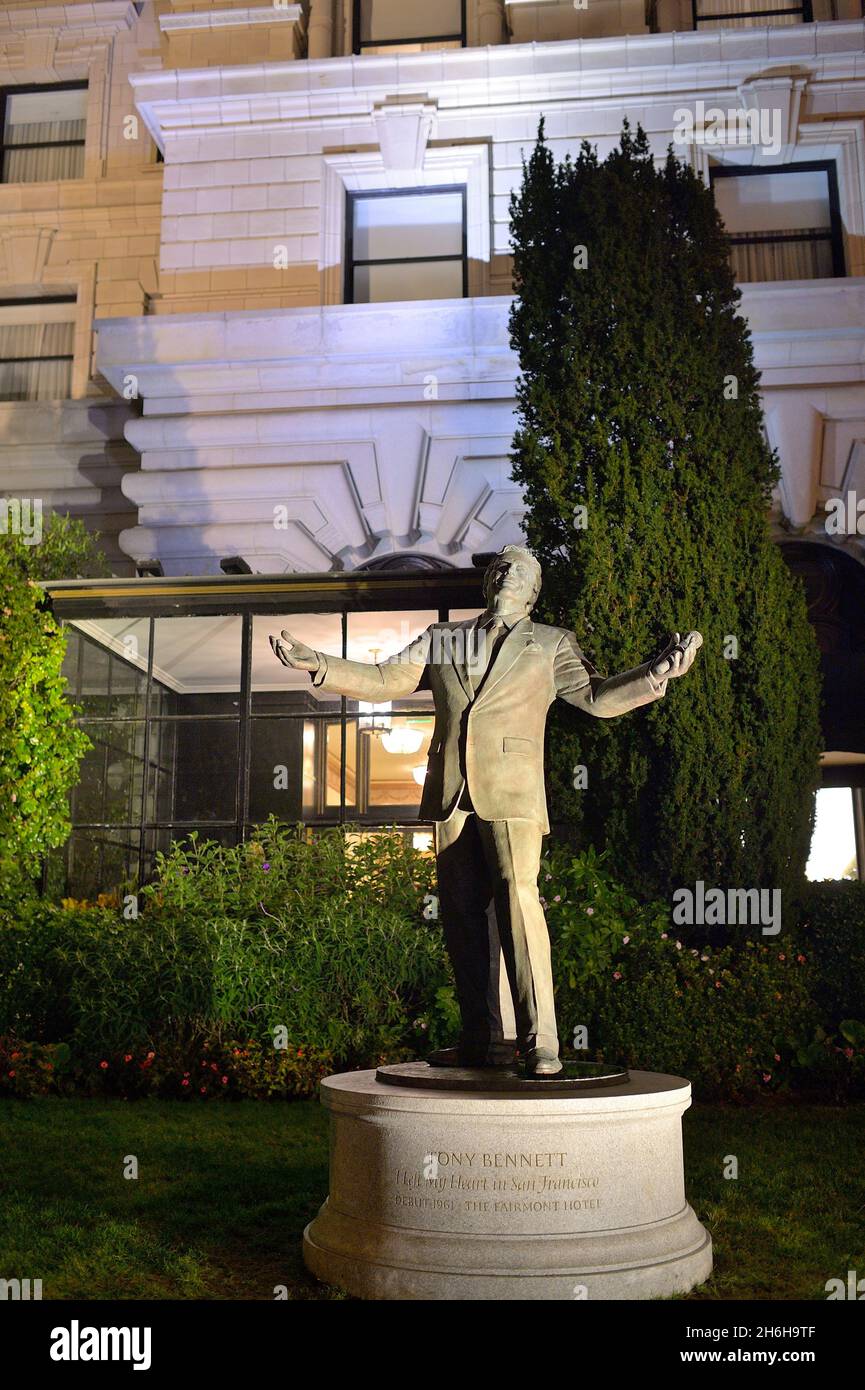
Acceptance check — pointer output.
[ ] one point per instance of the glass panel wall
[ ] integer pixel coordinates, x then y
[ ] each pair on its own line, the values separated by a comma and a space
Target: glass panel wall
196, 726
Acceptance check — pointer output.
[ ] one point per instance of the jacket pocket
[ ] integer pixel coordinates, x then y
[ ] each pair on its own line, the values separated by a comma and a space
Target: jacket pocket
518, 745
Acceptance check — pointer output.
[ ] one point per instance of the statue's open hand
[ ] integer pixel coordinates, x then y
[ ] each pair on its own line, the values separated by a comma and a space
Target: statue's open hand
295, 654
677, 657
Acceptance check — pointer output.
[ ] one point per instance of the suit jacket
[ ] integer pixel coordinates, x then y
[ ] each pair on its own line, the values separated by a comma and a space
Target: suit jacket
489, 736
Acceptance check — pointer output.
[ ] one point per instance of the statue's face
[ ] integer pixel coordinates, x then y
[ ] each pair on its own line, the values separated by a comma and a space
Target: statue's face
511, 584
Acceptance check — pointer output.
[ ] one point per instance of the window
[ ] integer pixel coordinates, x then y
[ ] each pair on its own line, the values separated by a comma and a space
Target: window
408, 26
406, 245
749, 14
833, 844
36, 347
195, 726
43, 132
784, 223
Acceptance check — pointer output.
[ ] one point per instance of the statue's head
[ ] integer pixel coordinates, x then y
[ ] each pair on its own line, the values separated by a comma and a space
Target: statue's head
512, 580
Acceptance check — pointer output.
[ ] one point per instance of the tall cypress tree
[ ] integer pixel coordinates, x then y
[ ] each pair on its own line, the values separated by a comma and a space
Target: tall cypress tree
647, 475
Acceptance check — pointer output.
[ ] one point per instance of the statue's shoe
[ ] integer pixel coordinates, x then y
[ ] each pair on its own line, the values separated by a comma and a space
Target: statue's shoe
494, 1055
541, 1061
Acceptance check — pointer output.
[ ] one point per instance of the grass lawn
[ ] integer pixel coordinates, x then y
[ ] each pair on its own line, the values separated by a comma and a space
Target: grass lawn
224, 1191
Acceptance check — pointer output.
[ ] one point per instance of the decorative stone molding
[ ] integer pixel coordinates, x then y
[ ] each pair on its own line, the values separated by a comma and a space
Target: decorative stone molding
366, 170
247, 411
24, 254
231, 19
770, 93
403, 128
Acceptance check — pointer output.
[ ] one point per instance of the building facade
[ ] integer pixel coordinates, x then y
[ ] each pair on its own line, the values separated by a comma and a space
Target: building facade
255, 274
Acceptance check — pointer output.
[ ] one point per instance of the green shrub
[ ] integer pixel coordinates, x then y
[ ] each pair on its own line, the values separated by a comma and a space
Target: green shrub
832, 933
324, 939
736, 1020
253, 971
40, 743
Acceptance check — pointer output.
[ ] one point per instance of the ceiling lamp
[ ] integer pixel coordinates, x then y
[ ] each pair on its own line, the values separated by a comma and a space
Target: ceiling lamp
402, 740
373, 719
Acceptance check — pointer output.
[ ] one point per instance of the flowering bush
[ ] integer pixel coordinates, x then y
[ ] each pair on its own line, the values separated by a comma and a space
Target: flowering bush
253, 971
736, 1020
33, 1069
324, 945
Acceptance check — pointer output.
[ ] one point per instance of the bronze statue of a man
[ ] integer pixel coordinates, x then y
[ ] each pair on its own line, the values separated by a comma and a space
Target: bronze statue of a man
493, 680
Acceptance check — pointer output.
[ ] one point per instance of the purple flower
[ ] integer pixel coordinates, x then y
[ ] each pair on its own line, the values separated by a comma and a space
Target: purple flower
265, 867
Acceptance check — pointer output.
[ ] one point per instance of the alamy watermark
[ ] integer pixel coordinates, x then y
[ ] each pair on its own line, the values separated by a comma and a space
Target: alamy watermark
22, 516
711, 907
736, 126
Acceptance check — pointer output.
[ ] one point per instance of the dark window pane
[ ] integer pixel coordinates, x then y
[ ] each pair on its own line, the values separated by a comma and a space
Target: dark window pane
205, 763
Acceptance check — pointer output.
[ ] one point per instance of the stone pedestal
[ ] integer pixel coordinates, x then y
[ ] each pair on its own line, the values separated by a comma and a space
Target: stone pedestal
462, 1195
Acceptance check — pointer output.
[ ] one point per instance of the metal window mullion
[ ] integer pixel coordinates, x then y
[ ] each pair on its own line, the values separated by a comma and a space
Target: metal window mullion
245, 729
145, 752
343, 729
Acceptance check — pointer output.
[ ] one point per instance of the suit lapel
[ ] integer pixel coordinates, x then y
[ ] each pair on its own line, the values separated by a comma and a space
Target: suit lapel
464, 652
512, 647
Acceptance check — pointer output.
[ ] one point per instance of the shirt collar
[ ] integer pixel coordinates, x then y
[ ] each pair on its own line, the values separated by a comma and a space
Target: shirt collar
510, 620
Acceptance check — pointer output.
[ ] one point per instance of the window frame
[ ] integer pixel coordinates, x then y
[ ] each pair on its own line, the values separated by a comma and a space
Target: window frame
14, 302
25, 89
359, 47
250, 597
804, 9
354, 196
834, 235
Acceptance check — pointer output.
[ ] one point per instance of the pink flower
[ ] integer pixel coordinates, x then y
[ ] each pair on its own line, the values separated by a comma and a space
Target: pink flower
225, 1081
665, 936
184, 1082
848, 1053
590, 912
127, 1057
11, 1073
767, 1076
781, 955
801, 959
617, 974
777, 1056
104, 1066
557, 898
203, 1090
625, 940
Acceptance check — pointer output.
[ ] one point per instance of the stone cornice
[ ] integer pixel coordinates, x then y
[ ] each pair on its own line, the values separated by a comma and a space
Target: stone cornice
230, 19
809, 330
507, 76
102, 16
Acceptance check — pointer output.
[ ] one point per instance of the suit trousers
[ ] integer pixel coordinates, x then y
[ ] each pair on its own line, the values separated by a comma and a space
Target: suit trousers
481, 862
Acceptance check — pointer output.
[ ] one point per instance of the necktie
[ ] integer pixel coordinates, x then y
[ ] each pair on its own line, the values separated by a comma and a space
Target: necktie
494, 631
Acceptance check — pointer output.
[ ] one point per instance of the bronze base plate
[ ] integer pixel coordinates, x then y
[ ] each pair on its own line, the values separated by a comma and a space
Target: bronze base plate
573, 1079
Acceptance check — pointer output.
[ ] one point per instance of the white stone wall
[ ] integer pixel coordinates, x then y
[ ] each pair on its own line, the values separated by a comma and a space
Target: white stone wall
250, 153
310, 439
